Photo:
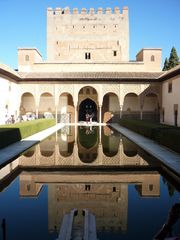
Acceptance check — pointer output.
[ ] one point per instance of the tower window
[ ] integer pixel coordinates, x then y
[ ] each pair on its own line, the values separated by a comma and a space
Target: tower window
169, 87
151, 187
87, 55
27, 58
152, 58
114, 53
87, 187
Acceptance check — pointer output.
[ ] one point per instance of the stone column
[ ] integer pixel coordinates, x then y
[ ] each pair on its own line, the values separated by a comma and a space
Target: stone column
100, 132
75, 114
100, 114
141, 113
120, 114
56, 109
37, 112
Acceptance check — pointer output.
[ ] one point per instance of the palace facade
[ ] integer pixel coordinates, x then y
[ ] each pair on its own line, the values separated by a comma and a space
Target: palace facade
88, 71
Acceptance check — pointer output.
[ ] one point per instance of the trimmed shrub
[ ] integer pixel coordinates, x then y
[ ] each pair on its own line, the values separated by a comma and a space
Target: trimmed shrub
163, 134
15, 132
9, 136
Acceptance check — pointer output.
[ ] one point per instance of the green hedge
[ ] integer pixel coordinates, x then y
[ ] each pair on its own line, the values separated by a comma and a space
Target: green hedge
15, 132
166, 135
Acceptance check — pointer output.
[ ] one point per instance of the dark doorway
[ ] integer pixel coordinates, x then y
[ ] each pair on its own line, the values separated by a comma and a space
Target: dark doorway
87, 107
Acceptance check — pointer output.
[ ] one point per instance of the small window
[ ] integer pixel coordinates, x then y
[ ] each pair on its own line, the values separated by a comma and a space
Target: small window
114, 189
169, 87
28, 187
27, 58
151, 187
87, 187
114, 53
87, 91
87, 55
83, 26
152, 58
57, 42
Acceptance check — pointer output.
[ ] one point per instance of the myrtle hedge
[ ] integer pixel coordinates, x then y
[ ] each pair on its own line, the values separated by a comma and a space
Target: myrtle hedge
166, 135
12, 133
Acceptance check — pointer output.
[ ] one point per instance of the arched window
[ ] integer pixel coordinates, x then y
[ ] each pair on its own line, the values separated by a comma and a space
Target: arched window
87, 91
152, 58
27, 58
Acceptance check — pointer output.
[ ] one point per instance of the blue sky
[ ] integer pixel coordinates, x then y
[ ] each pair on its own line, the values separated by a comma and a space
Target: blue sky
153, 23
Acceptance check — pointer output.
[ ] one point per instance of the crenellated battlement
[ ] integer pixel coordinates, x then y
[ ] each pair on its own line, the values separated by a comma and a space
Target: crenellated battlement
87, 35
83, 11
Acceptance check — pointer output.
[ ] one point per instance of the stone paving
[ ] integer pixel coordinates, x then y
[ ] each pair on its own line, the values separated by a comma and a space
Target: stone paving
14, 150
166, 156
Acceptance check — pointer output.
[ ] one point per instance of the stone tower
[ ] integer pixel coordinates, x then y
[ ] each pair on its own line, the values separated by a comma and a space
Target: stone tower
91, 36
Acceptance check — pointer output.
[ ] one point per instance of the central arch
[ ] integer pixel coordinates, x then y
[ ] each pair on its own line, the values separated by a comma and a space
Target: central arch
87, 104
87, 108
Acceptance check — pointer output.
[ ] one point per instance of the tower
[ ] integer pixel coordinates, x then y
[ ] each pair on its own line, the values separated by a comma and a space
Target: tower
100, 36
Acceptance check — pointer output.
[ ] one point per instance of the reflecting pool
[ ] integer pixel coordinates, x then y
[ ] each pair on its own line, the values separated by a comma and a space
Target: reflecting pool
98, 169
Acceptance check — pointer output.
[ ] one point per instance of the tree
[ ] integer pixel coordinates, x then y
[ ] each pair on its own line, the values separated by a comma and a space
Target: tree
166, 65
172, 61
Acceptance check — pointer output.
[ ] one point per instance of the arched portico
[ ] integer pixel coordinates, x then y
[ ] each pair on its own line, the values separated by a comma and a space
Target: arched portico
110, 107
88, 104
87, 110
151, 107
130, 107
27, 103
46, 104
65, 112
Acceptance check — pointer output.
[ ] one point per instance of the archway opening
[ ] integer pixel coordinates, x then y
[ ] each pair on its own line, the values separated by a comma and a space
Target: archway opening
46, 106
110, 108
27, 103
66, 108
151, 107
87, 110
131, 107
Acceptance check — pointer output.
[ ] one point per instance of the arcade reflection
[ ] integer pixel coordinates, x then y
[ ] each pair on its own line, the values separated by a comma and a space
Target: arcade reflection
86, 147
86, 168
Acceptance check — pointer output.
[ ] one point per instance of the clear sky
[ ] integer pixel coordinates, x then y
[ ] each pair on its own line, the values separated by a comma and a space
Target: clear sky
153, 23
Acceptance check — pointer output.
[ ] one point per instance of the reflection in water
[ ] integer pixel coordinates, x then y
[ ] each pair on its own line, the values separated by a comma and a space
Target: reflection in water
47, 146
66, 138
110, 142
111, 177
94, 146
130, 149
88, 136
106, 196
88, 144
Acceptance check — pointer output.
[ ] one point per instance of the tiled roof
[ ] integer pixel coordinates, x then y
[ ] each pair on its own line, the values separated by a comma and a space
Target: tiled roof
91, 75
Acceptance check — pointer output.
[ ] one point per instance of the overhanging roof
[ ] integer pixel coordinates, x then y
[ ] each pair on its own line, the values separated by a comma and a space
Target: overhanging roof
93, 76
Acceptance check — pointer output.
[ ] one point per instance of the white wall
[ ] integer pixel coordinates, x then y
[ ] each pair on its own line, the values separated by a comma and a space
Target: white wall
9, 98
169, 99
